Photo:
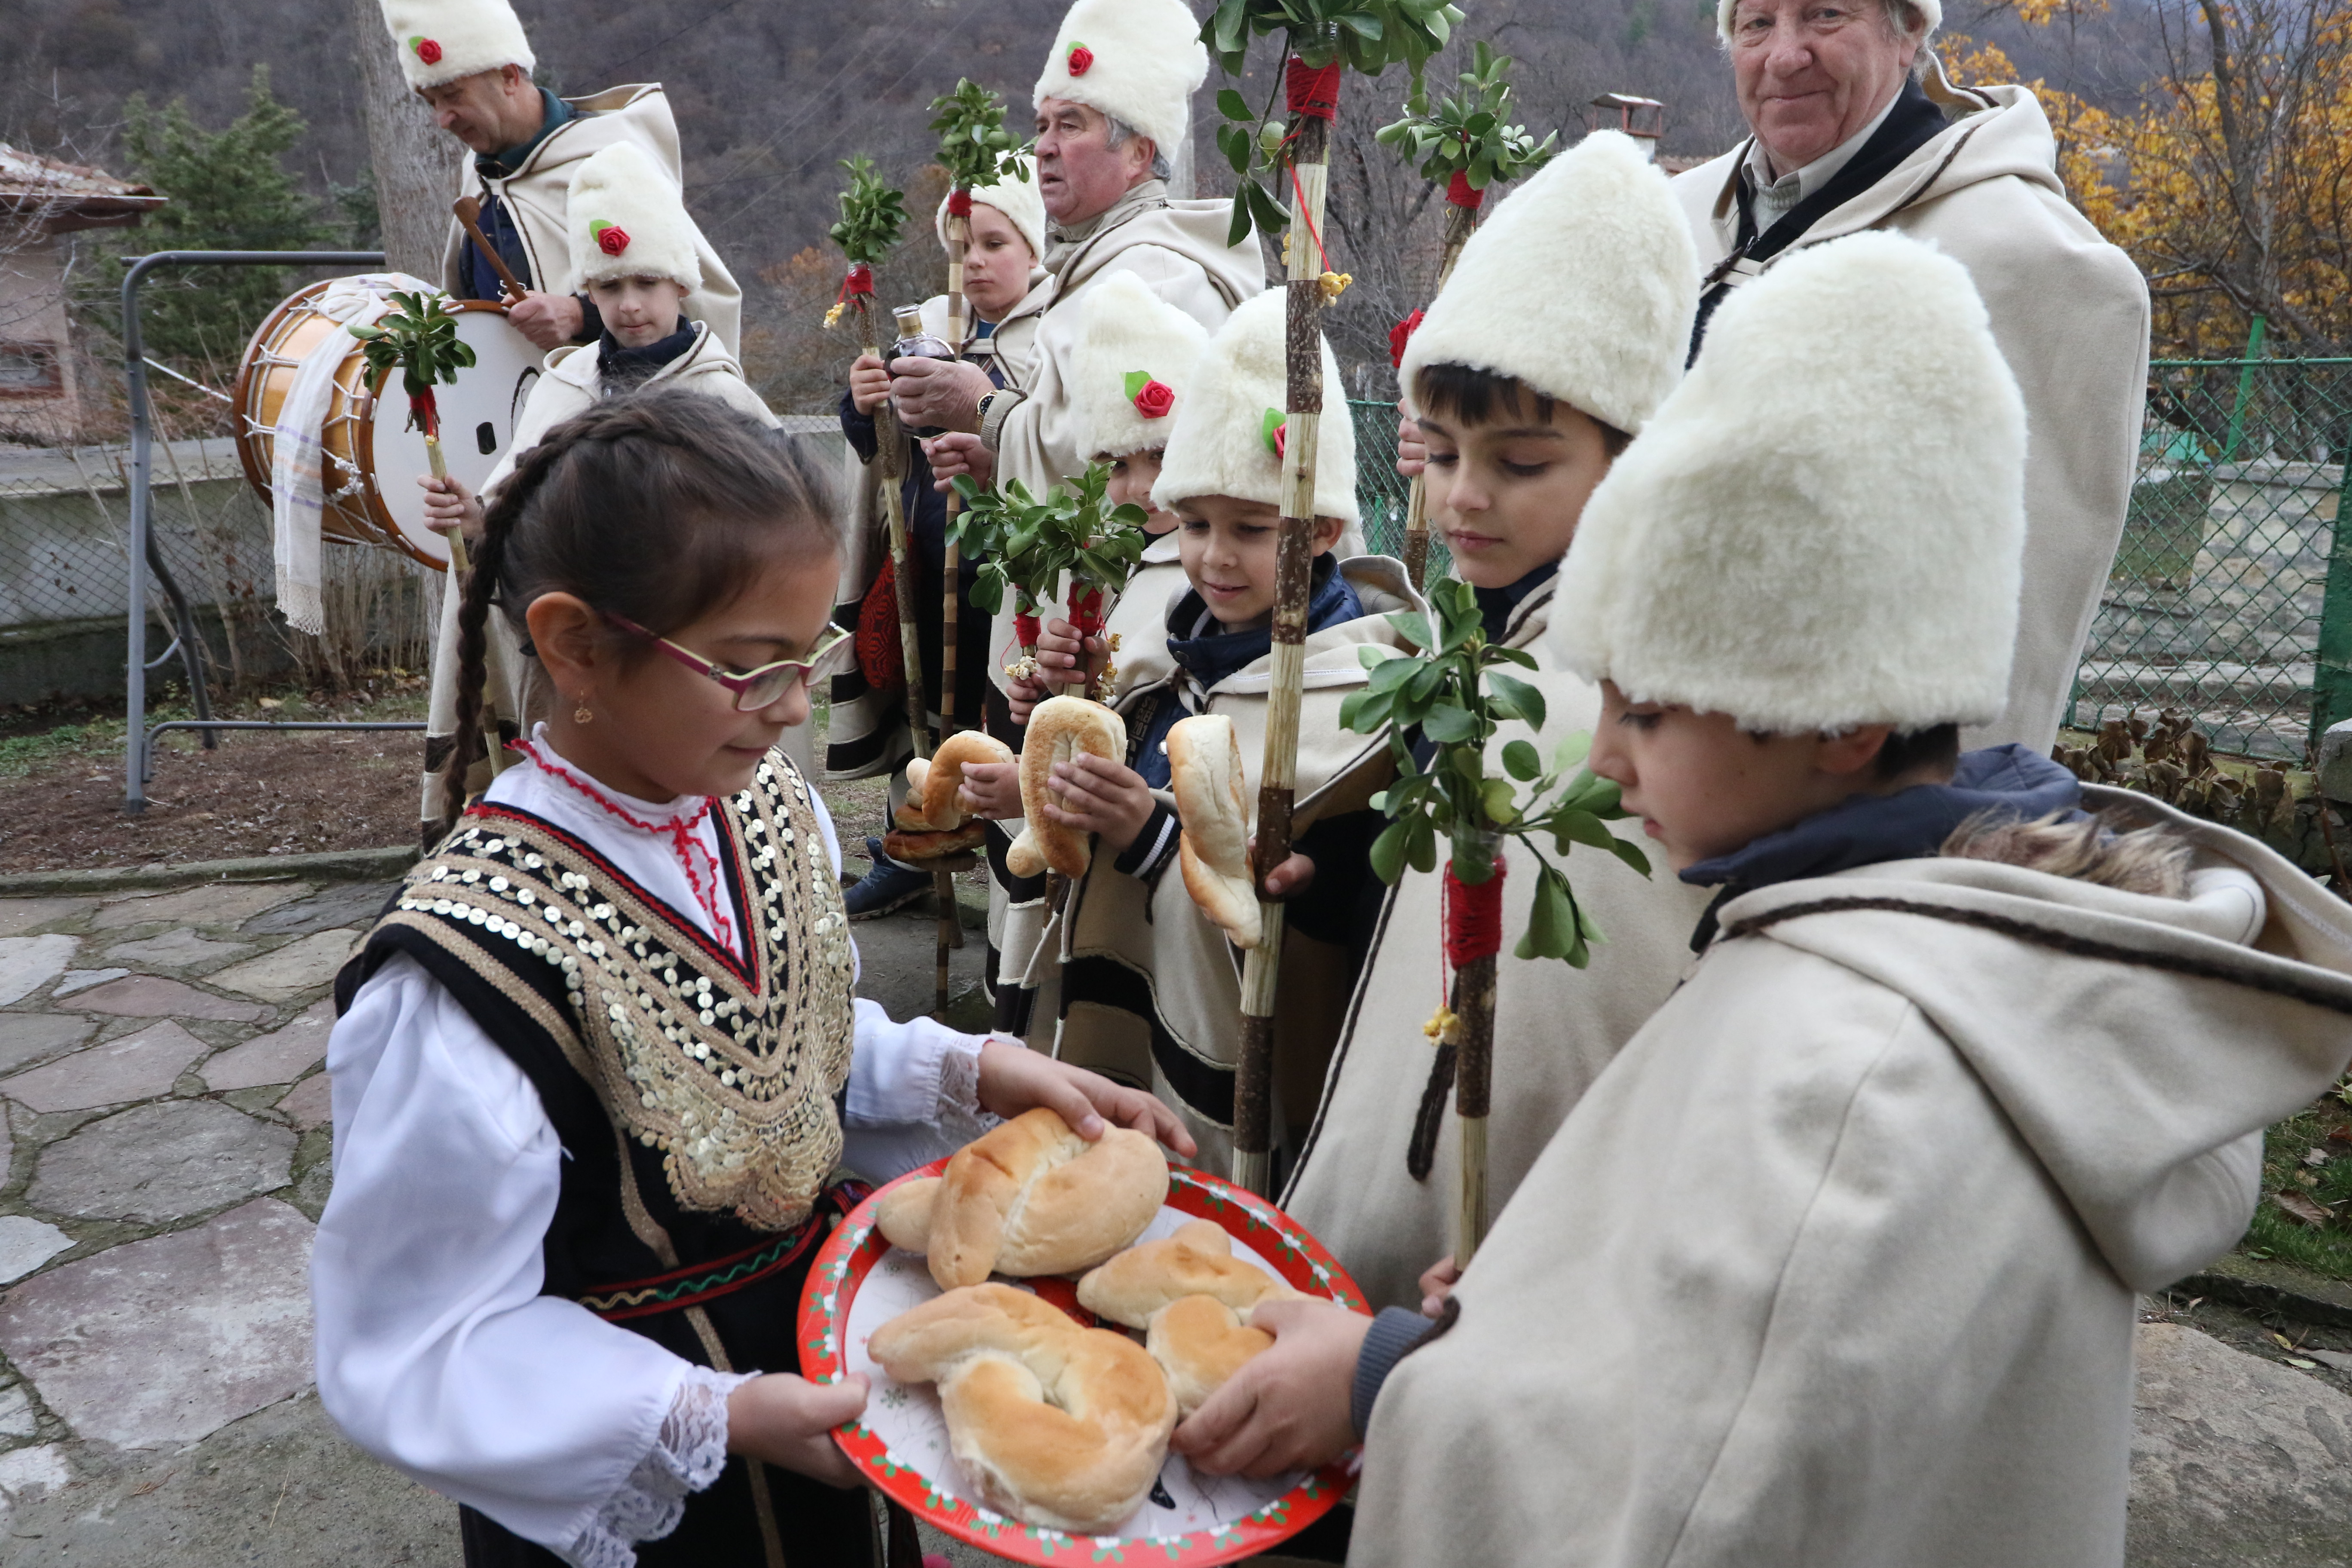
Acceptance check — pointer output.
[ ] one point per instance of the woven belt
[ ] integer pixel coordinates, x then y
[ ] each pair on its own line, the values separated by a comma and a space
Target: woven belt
691, 1286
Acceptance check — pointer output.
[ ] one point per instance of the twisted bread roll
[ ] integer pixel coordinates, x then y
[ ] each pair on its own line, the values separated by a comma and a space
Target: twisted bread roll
931, 805
1060, 727
1204, 768
1026, 1198
1053, 1424
1191, 1295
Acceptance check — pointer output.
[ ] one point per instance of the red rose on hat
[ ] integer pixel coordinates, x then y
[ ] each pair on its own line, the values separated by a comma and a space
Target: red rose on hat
1081, 57
1153, 399
1399, 336
612, 240
428, 51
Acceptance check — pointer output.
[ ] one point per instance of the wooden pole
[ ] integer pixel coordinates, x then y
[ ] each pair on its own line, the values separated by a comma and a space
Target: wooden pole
889, 450
950, 933
494, 658
1474, 1076
1459, 221
1279, 774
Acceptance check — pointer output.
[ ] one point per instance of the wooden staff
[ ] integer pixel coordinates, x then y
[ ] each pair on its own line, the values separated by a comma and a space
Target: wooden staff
951, 931
889, 451
1460, 219
1313, 100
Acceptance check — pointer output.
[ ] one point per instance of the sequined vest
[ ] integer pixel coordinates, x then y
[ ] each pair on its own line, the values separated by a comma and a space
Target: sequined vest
695, 1094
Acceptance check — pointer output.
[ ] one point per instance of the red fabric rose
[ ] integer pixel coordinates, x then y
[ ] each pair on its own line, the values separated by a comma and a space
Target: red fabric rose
1081, 57
613, 239
1155, 399
428, 51
1281, 439
1399, 336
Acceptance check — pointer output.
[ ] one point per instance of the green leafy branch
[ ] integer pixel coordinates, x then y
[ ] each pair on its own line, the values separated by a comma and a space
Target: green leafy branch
974, 146
421, 340
1366, 36
1027, 544
1468, 134
872, 213
1456, 695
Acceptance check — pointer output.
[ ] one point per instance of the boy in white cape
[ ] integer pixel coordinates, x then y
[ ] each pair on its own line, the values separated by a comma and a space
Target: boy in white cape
1834, 1264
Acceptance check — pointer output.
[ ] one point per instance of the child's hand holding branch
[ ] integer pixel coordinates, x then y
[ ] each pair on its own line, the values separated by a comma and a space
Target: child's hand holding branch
449, 506
1102, 797
1060, 650
869, 384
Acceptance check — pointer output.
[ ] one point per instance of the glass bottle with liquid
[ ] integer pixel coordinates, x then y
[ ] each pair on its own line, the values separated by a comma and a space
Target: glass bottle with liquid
915, 342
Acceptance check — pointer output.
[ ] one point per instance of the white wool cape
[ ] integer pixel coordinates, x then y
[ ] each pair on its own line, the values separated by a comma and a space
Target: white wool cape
1579, 285
2070, 312
473, 35
1018, 202
1555, 1027
1126, 327
539, 196
621, 188
1149, 61
1219, 445
1834, 1266
1822, 526
1931, 11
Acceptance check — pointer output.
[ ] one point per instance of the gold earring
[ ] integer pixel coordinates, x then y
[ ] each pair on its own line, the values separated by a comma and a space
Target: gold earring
580, 713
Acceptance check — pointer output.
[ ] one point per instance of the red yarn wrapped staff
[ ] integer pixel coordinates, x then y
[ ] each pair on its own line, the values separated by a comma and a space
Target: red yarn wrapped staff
1456, 799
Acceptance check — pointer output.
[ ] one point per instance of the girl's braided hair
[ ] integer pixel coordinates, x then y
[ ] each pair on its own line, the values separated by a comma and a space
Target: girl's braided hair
661, 506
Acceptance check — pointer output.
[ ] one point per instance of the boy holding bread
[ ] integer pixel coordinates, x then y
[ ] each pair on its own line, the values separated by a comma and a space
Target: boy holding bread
1149, 982
1834, 1264
1525, 394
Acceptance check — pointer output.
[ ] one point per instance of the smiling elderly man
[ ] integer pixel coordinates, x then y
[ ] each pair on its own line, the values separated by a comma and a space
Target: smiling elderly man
1115, 97
471, 63
1846, 139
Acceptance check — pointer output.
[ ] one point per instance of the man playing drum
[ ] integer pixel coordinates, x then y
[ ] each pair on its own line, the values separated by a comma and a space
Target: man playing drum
471, 64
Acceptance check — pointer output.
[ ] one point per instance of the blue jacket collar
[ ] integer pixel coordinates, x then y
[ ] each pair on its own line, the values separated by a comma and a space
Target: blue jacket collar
1209, 653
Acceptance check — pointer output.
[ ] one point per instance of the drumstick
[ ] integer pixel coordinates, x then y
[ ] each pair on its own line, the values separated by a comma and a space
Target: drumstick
469, 214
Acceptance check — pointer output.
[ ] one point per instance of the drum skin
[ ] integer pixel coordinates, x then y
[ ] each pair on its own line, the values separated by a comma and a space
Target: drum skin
371, 458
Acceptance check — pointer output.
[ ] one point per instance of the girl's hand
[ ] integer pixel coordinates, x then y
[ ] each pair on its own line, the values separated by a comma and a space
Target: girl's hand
787, 1420
1102, 797
449, 506
1412, 452
1014, 1079
1286, 1409
992, 790
869, 384
1060, 650
1022, 695
957, 453
1437, 1284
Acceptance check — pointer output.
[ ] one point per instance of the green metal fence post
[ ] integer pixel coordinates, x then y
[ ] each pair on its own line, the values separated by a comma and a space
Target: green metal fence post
2331, 687
2245, 387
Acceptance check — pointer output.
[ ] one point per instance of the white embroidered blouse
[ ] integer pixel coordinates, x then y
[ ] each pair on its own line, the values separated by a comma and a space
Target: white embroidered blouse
436, 1351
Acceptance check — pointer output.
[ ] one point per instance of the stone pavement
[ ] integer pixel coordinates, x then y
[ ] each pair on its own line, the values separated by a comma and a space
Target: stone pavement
163, 1143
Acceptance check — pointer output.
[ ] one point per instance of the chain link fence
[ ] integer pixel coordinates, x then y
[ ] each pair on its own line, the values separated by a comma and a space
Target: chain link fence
1380, 490
64, 516
2228, 600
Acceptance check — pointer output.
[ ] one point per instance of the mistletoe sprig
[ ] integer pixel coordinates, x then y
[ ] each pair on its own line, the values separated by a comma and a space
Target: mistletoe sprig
974, 147
421, 340
1028, 543
1468, 135
1456, 695
1366, 36
872, 213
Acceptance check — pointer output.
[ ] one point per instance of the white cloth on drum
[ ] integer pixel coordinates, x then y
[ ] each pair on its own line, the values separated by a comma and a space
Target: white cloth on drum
298, 449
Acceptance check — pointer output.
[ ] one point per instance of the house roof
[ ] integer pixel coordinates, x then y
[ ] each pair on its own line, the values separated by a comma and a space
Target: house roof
65, 196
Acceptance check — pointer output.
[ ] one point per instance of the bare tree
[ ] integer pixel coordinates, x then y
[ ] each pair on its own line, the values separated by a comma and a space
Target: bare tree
413, 164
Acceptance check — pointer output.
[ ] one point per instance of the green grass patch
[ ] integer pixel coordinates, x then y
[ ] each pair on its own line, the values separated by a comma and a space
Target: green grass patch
2308, 1157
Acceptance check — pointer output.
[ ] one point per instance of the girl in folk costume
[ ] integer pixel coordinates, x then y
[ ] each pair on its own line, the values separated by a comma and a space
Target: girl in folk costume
1563, 326
1149, 982
633, 251
599, 1063
869, 727
1132, 364
1836, 1263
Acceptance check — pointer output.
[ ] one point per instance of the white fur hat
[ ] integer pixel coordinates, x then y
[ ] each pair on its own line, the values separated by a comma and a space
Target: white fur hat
1136, 61
1223, 444
441, 41
627, 220
1823, 525
1018, 200
1930, 11
1127, 332
1582, 285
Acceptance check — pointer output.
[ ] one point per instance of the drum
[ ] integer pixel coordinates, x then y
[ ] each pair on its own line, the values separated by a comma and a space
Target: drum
371, 459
